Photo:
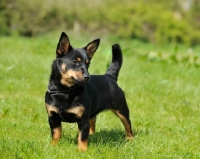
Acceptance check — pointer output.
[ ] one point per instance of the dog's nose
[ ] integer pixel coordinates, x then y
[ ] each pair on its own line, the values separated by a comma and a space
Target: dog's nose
86, 77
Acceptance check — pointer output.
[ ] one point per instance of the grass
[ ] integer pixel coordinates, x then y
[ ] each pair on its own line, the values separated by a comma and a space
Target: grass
163, 97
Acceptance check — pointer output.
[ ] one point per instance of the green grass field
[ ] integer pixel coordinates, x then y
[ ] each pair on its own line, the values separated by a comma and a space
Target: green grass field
163, 95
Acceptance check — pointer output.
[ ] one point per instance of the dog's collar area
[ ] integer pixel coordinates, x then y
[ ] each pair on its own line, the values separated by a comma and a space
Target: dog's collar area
57, 91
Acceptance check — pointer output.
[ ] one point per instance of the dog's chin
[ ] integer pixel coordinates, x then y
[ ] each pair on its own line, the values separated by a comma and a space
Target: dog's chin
78, 81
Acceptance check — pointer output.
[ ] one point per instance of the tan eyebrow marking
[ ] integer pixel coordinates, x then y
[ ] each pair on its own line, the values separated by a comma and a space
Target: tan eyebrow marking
79, 59
87, 61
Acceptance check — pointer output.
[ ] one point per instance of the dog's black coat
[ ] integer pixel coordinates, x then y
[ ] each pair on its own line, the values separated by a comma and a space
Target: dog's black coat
75, 96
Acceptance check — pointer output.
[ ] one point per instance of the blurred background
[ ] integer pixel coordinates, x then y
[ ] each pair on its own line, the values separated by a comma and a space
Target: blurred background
155, 21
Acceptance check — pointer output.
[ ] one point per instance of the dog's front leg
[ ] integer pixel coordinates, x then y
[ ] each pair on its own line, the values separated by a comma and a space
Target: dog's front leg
83, 135
56, 128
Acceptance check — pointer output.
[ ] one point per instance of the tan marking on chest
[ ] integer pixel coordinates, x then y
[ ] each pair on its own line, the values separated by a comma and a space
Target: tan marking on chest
77, 111
50, 109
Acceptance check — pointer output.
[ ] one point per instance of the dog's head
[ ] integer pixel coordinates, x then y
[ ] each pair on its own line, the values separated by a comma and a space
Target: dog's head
72, 63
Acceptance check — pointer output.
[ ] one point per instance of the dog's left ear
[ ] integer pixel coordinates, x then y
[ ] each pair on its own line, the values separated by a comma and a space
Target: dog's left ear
63, 46
92, 47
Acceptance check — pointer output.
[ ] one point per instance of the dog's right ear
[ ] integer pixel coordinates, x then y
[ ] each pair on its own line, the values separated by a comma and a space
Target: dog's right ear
63, 46
92, 47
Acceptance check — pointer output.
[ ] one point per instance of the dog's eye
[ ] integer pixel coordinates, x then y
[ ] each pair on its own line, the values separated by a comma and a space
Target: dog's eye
74, 61
87, 64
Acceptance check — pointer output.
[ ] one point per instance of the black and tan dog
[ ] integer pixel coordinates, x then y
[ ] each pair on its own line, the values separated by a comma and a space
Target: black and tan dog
76, 96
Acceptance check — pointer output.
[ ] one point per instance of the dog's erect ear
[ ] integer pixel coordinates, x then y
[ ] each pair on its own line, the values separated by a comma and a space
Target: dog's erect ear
63, 45
92, 47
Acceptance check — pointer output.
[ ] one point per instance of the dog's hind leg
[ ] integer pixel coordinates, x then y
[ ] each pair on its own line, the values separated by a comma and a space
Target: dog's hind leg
124, 116
92, 125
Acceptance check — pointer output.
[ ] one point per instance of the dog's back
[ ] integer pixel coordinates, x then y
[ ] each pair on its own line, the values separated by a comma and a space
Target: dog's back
103, 90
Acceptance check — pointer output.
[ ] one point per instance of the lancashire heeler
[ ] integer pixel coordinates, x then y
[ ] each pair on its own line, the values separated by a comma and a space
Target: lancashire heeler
76, 96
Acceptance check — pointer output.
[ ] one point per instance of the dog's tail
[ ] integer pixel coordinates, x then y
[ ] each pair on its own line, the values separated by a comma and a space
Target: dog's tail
116, 64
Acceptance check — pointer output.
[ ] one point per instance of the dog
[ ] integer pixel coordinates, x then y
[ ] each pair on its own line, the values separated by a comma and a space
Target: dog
75, 96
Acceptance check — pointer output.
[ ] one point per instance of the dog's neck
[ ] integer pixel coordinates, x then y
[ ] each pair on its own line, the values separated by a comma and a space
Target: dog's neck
55, 87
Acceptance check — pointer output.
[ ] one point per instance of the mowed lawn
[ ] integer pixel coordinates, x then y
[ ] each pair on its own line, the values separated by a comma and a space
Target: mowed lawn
163, 97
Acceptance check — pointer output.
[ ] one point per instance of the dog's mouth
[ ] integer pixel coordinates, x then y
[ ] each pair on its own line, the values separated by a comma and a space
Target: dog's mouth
79, 82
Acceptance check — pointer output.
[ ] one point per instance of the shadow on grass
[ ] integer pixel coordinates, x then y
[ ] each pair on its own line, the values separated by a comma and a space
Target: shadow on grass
105, 137
108, 137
